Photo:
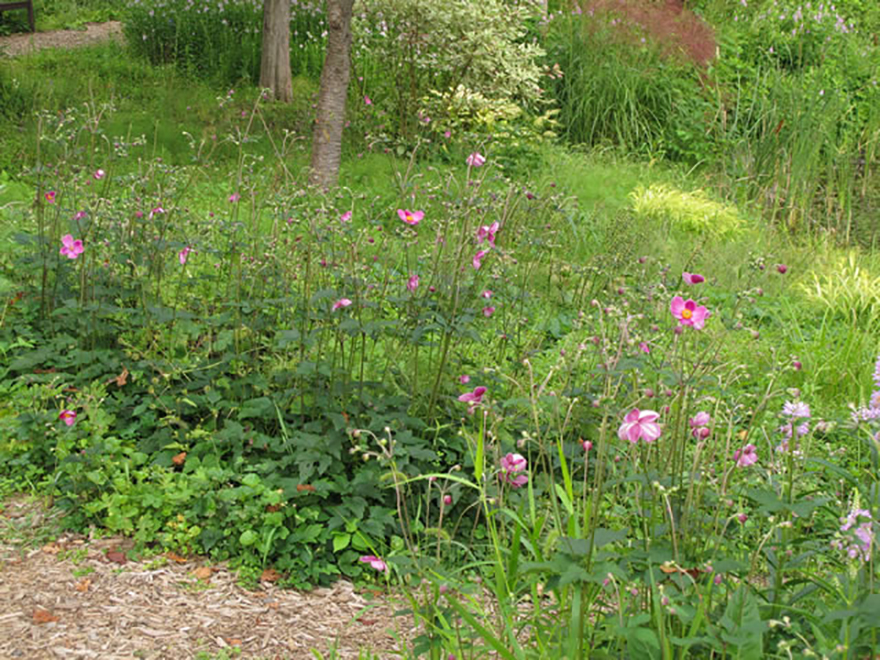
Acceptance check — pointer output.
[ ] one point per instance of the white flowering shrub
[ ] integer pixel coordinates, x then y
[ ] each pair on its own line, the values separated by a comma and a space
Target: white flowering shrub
447, 62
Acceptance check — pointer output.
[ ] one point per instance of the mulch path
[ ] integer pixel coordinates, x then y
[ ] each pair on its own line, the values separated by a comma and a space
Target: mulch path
22, 44
74, 597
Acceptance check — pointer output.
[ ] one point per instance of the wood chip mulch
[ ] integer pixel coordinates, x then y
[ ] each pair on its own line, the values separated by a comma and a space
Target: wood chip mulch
80, 598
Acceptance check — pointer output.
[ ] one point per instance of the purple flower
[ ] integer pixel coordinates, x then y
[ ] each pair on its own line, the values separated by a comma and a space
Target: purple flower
412, 283
692, 278
640, 424
512, 468
488, 311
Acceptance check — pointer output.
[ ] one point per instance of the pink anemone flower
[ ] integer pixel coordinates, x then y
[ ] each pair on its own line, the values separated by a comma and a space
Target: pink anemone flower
512, 468
474, 398
68, 417
412, 218
183, 254
71, 248
50, 197
345, 217
487, 232
477, 261
688, 312
375, 563
746, 456
488, 311
640, 424
342, 302
692, 278
476, 159
412, 283
99, 174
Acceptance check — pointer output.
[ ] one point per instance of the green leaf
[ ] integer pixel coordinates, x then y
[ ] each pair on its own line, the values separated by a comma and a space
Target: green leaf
743, 625
248, 537
341, 542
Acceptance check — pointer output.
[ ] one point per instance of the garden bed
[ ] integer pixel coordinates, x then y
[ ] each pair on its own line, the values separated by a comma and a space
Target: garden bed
76, 597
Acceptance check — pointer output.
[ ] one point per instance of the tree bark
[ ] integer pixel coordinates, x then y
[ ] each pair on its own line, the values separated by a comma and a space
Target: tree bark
330, 119
275, 59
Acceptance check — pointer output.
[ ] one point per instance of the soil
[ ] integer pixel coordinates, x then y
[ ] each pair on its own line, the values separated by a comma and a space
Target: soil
68, 596
21, 44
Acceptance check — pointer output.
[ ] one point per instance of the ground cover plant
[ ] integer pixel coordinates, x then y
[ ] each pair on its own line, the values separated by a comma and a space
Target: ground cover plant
563, 402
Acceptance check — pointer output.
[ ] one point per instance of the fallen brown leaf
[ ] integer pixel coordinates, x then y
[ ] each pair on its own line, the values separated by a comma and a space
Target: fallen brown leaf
173, 556
305, 488
52, 548
83, 585
42, 616
203, 573
180, 459
233, 641
117, 557
270, 575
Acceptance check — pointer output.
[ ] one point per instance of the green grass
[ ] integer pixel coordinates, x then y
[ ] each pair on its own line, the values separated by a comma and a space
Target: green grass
62, 14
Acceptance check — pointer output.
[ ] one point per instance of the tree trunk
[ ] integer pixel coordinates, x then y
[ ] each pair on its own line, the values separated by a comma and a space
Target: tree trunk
327, 138
275, 62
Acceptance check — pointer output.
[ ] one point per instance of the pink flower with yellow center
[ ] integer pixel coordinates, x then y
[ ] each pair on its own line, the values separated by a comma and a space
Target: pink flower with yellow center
412, 218
688, 312
68, 417
50, 197
71, 248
